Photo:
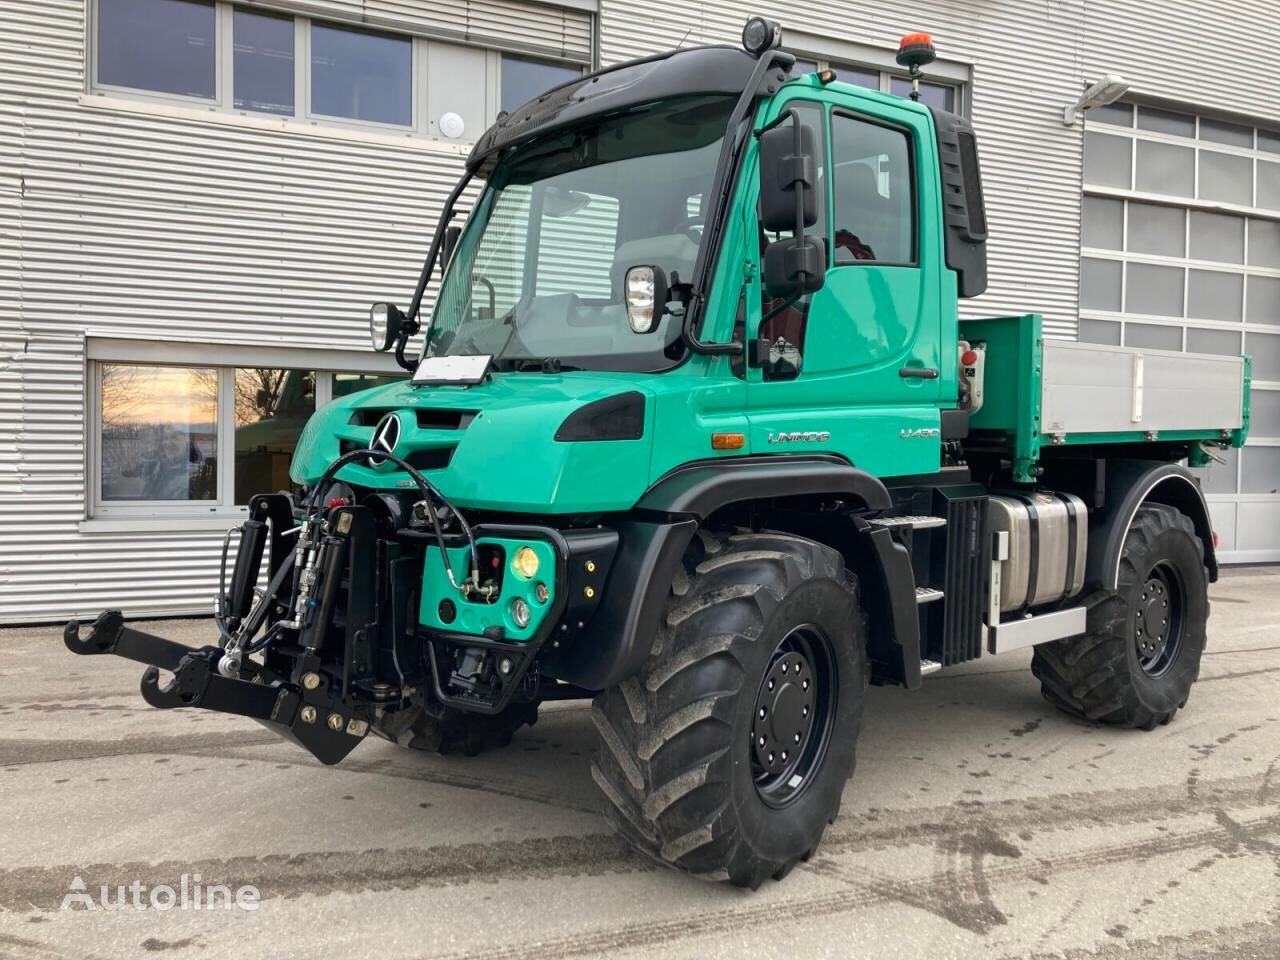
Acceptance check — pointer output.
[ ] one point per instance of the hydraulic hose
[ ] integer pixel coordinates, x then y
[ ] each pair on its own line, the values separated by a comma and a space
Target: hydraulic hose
429, 491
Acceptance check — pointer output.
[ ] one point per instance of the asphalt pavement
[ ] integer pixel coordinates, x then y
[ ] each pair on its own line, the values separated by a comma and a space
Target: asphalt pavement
980, 823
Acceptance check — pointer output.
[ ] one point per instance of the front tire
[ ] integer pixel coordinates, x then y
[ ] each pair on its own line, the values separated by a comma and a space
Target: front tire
446, 730
727, 755
1136, 665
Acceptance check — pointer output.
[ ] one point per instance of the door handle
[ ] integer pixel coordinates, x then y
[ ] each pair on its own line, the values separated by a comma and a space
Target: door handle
918, 373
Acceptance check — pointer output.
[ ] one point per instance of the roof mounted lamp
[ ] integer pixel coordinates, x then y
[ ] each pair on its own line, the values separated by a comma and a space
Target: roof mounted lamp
760, 35
1107, 90
915, 50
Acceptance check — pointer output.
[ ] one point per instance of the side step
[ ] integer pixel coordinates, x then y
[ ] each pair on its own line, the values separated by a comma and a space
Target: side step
916, 523
929, 666
927, 595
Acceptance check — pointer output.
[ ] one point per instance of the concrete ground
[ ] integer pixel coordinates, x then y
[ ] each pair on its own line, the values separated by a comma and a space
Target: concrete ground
980, 823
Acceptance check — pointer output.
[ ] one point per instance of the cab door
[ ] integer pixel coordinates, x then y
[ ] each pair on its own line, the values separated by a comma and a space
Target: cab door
856, 368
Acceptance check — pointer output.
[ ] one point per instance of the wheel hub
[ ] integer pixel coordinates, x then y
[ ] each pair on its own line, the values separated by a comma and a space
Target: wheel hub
783, 713
1151, 620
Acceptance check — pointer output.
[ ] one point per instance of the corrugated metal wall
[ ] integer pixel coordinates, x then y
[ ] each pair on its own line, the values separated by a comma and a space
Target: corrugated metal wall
1219, 55
164, 225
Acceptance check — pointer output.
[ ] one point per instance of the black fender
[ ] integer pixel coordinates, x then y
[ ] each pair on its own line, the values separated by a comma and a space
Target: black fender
699, 489
654, 538
1131, 483
635, 595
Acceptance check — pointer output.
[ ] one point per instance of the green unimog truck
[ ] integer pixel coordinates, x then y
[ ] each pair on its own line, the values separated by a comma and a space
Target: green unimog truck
695, 431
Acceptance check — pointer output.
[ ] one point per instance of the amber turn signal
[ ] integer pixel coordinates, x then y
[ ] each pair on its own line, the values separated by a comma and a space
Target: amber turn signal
728, 441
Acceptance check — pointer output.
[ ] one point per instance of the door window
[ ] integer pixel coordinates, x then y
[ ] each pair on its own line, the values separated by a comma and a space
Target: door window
874, 206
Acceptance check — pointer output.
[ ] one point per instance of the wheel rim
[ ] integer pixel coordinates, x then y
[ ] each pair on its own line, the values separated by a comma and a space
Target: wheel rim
793, 715
1158, 622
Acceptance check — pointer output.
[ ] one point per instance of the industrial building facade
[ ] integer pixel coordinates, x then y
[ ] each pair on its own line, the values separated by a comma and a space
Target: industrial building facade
200, 198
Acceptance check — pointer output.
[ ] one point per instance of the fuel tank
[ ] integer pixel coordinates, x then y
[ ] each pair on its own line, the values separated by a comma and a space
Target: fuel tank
1047, 540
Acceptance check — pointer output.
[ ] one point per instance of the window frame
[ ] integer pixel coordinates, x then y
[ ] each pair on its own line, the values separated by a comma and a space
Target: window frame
887, 75
225, 362
913, 174
220, 33
302, 117
417, 96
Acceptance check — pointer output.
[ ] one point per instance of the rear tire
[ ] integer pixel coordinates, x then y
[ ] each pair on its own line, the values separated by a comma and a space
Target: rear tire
1136, 665
718, 758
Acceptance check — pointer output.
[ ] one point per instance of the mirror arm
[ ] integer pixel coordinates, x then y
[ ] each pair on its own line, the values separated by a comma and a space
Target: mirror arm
411, 324
759, 84
798, 139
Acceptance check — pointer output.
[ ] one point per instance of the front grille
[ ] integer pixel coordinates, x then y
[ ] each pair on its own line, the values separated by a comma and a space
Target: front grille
426, 458
427, 419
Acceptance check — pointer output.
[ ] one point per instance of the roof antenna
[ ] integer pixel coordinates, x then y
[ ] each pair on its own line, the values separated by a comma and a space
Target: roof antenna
684, 38
915, 50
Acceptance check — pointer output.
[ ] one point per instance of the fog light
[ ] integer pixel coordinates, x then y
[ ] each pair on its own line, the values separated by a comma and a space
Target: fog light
525, 563
541, 592
520, 613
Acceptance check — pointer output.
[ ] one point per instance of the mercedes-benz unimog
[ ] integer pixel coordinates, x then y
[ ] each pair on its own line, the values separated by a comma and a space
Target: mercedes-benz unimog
695, 432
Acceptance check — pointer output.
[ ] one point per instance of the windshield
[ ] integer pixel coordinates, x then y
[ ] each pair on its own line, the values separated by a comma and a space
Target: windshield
538, 272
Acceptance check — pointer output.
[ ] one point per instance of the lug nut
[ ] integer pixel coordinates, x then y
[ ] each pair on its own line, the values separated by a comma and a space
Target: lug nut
335, 721
308, 714
311, 680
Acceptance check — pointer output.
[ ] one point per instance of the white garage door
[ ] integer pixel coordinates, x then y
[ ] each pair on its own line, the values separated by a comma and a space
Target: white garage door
1180, 250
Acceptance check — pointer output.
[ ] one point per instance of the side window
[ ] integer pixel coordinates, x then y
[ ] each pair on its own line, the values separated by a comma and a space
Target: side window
874, 210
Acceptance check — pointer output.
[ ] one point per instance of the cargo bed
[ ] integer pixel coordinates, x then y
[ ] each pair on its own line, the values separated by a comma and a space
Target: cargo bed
1048, 393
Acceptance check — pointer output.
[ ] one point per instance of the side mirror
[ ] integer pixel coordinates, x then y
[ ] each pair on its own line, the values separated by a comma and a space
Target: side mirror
788, 176
795, 266
451, 235
645, 293
385, 325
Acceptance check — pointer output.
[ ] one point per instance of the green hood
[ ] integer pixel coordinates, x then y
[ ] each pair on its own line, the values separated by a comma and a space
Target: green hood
492, 445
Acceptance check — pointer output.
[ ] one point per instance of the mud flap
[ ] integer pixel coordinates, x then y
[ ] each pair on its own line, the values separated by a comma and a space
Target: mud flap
310, 718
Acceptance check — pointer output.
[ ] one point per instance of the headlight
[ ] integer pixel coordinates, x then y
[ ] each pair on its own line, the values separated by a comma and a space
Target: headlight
525, 563
385, 323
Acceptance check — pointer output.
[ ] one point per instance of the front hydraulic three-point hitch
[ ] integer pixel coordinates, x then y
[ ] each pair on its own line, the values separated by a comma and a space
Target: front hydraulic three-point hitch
310, 718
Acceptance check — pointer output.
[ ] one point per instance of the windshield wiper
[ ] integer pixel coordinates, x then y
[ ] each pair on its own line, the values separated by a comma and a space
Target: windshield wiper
536, 364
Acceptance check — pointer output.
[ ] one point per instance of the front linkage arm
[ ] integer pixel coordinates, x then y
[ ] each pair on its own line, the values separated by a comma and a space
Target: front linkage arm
310, 718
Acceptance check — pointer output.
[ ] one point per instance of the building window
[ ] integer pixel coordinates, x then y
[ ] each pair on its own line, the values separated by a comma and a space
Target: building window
164, 46
263, 64
271, 408
523, 79
1180, 250
873, 183
235, 58
178, 440
361, 76
933, 93
940, 96
159, 439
